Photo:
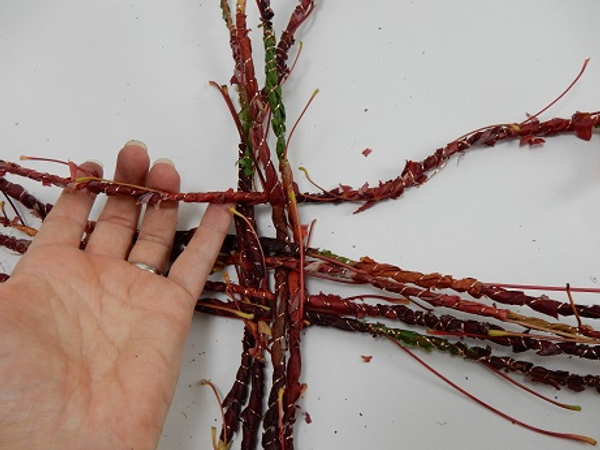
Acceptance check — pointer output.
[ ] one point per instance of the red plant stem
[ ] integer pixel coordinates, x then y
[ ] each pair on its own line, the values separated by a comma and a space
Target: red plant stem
228, 309
531, 391
236, 397
253, 279
238, 394
537, 374
300, 14
155, 197
276, 197
248, 85
434, 299
449, 324
487, 406
16, 224
270, 439
250, 266
295, 308
45, 178
19, 193
331, 315
252, 414
552, 103
587, 290
477, 289
14, 244
236, 120
143, 195
416, 173
238, 289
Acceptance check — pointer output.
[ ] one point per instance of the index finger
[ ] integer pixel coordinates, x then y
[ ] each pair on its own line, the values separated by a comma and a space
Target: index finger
67, 220
194, 265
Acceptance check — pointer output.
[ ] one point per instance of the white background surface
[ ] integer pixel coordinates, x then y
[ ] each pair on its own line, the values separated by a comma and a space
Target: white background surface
79, 79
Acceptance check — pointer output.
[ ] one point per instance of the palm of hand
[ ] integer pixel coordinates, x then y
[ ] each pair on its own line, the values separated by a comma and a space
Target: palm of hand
93, 346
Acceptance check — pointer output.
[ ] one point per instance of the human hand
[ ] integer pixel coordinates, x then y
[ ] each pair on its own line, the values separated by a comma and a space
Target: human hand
91, 344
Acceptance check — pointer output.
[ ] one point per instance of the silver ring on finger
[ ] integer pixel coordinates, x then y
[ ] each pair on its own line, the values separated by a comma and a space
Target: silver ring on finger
147, 268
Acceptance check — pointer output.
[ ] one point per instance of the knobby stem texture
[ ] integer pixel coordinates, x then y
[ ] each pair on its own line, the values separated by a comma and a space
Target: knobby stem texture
269, 292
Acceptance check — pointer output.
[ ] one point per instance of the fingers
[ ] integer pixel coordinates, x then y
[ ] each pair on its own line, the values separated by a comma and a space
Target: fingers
157, 231
117, 224
67, 220
194, 265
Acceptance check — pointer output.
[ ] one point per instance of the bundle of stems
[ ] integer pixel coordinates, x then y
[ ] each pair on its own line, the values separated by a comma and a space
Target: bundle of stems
264, 281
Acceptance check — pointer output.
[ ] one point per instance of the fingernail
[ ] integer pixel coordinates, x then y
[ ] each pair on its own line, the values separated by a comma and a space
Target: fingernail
95, 161
164, 161
136, 143
95, 171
